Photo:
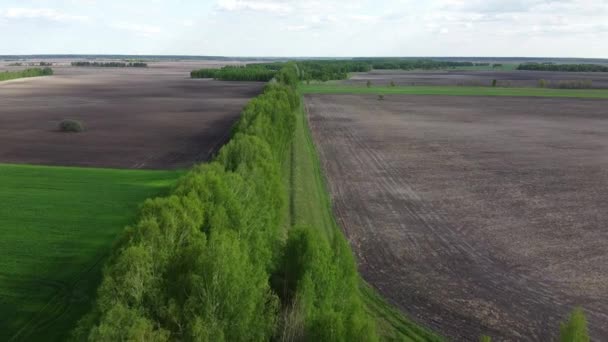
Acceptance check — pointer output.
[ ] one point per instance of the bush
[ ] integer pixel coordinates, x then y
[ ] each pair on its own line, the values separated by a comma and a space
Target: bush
542, 83
368, 84
72, 126
575, 329
380, 97
494, 83
392, 84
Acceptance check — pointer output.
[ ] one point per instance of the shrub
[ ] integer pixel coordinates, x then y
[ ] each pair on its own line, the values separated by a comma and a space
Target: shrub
368, 84
380, 97
494, 83
72, 126
575, 329
542, 83
392, 83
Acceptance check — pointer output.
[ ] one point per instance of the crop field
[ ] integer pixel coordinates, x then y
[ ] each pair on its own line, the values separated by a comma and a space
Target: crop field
504, 78
463, 211
150, 118
57, 226
58, 219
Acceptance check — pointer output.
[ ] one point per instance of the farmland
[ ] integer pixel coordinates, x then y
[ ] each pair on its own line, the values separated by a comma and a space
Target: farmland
459, 205
153, 119
58, 223
462, 210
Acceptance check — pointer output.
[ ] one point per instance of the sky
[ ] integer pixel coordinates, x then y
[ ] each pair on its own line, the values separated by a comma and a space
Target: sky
333, 28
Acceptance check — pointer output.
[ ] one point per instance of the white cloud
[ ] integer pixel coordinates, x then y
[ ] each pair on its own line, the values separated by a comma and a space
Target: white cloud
18, 13
144, 30
252, 5
297, 27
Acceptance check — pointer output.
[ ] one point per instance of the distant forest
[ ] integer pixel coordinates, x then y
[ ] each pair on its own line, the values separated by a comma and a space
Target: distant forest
563, 67
110, 64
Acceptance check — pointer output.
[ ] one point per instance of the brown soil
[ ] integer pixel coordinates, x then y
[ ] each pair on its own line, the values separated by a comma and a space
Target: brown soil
135, 118
516, 78
474, 214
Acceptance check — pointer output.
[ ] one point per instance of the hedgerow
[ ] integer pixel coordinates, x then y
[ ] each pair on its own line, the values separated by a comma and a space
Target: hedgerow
197, 264
253, 72
9, 75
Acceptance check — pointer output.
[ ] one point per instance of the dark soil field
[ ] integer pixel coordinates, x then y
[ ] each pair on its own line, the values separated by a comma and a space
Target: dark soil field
153, 118
474, 214
515, 78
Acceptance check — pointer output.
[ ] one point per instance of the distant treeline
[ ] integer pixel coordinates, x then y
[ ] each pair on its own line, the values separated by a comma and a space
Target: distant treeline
110, 64
331, 70
426, 64
9, 75
252, 72
213, 262
563, 67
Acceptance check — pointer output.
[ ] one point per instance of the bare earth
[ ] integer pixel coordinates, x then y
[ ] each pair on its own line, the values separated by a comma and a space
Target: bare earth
516, 78
152, 118
474, 214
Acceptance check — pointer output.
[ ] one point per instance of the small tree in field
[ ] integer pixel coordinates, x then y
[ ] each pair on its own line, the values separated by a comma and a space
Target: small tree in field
493, 83
392, 83
380, 97
369, 84
575, 329
542, 83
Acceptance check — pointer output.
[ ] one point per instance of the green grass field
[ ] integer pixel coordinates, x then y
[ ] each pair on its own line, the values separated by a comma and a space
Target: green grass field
311, 206
56, 226
453, 90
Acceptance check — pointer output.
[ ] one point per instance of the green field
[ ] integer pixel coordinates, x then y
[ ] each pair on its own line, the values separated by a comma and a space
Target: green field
311, 206
56, 226
454, 90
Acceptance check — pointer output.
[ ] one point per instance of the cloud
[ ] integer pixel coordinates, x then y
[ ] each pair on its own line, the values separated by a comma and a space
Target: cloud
19, 13
297, 27
252, 5
143, 30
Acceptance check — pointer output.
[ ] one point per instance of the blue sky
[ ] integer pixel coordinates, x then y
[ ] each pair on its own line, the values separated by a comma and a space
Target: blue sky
551, 28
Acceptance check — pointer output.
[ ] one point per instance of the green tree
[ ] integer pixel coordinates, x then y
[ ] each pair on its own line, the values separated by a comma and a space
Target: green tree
575, 329
368, 84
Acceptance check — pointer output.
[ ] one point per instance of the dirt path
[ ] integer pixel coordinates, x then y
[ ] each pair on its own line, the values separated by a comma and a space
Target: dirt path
473, 215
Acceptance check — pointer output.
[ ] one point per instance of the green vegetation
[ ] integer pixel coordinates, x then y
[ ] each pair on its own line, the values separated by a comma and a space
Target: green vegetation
454, 90
110, 64
57, 224
331, 69
563, 67
251, 72
72, 126
210, 261
575, 329
424, 64
10, 75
